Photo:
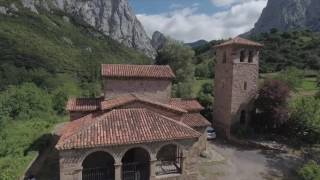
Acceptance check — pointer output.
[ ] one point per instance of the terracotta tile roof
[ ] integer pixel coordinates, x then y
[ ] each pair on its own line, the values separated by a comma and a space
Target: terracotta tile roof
195, 120
137, 71
239, 41
190, 105
124, 126
83, 104
130, 98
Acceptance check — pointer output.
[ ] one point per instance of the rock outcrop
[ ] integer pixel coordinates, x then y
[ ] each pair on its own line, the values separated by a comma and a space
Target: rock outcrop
289, 14
158, 40
114, 18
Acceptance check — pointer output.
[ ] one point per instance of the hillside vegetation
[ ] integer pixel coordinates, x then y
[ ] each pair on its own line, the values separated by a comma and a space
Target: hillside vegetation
44, 59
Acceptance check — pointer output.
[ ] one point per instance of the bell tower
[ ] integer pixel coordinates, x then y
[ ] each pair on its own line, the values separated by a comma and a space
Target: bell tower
235, 83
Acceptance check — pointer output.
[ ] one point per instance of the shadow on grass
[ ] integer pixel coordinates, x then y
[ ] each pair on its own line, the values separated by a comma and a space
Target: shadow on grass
46, 166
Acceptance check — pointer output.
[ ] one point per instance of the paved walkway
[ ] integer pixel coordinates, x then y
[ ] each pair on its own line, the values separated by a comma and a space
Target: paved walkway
238, 163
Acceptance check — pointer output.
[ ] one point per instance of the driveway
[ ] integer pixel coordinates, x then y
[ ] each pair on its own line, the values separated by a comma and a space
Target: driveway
240, 163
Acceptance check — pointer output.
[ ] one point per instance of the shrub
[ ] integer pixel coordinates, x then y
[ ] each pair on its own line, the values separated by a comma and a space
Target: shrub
292, 76
305, 119
310, 171
272, 105
24, 102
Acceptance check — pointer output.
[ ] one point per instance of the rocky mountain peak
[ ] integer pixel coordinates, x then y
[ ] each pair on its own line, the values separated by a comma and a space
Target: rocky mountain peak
114, 18
289, 14
158, 40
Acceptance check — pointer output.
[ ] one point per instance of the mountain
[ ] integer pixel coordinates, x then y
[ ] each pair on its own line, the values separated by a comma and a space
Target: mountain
197, 43
114, 18
287, 15
158, 40
39, 47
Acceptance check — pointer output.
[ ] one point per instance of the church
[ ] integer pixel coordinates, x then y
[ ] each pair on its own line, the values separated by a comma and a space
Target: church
137, 131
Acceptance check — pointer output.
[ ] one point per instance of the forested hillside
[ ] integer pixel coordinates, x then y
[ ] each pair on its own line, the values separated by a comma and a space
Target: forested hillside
299, 49
44, 59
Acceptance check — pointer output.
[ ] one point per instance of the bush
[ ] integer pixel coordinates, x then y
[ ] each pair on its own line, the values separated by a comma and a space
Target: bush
272, 105
205, 97
310, 171
25, 102
292, 76
305, 120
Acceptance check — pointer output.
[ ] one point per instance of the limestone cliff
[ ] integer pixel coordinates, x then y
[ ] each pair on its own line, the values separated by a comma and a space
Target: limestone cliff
114, 18
289, 14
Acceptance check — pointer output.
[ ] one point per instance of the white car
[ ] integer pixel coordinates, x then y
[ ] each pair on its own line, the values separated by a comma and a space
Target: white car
211, 134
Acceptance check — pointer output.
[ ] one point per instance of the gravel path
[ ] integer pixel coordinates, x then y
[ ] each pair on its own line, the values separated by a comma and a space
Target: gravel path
239, 163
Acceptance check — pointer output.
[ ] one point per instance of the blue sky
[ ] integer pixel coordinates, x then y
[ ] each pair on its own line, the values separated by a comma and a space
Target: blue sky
191, 20
160, 6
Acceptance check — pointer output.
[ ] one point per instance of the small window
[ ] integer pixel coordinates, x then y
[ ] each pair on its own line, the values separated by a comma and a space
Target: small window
242, 55
243, 117
224, 60
245, 84
250, 57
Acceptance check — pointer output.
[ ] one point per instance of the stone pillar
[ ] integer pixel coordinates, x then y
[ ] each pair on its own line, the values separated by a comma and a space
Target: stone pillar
153, 163
118, 171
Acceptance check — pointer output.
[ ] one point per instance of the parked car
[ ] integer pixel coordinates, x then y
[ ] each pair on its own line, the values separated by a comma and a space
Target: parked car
211, 134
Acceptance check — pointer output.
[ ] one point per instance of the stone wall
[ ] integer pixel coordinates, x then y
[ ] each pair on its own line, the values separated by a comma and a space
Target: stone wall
235, 86
156, 89
71, 160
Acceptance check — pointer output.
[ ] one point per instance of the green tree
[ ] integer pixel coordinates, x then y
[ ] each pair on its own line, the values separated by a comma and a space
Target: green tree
310, 171
305, 119
179, 57
205, 97
24, 102
292, 76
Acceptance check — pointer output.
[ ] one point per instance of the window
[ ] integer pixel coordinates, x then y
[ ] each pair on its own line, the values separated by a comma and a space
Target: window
243, 117
242, 55
169, 160
224, 60
245, 84
250, 57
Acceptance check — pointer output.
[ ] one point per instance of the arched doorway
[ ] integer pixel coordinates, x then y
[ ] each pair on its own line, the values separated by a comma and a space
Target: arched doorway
169, 160
98, 166
136, 165
243, 117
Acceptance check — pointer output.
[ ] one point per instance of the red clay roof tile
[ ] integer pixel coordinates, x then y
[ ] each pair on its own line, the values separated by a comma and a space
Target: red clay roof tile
83, 104
239, 41
124, 126
195, 120
190, 105
136, 71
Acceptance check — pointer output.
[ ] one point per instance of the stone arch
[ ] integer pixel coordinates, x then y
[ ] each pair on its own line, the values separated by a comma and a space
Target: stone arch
98, 165
87, 153
136, 164
169, 159
146, 148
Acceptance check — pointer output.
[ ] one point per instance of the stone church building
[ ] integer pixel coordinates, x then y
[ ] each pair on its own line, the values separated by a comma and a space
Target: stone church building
137, 131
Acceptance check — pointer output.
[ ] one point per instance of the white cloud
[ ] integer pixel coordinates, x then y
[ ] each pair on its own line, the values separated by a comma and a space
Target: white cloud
188, 25
229, 2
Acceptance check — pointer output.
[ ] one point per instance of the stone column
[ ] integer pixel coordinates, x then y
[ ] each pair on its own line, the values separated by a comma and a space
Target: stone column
153, 163
118, 170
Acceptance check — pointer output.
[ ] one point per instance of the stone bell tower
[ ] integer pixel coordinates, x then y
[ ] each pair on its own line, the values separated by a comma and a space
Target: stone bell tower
235, 84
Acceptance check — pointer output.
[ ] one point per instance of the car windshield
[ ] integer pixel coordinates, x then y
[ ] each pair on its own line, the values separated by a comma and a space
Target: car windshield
210, 131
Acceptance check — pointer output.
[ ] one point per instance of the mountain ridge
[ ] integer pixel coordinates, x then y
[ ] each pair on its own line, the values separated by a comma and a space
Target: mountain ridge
287, 15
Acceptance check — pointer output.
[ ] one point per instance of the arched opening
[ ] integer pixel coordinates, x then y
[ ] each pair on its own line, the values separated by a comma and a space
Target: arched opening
98, 166
224, 59
242, 55
136, 165
169, 160
243, 117
250, 60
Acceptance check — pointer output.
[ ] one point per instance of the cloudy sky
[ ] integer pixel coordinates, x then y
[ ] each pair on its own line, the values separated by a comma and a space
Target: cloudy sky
191, 20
